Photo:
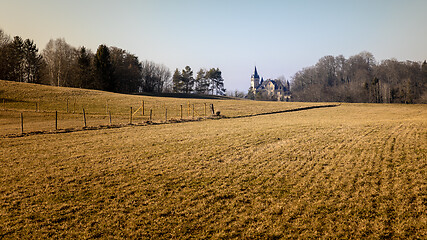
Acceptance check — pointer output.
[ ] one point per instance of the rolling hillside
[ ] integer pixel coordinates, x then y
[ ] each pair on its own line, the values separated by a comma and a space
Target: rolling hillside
39, 103
351, 171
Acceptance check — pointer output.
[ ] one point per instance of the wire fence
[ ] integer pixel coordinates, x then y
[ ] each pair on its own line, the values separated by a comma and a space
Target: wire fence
26, 117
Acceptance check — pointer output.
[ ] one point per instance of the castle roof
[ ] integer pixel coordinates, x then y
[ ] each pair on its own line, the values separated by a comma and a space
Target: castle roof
255, 75
277, 84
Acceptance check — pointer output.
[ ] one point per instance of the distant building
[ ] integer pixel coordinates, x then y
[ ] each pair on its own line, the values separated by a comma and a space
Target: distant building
269, 89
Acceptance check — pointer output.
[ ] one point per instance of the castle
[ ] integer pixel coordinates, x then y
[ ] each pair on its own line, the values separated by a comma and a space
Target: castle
269, 89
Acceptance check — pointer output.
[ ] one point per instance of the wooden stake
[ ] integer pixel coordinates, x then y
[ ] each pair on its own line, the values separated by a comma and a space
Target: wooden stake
193, 110
130, 119
188, 109
56, 117
151, 114
74, 107
181, 111
166, 114
213, 110
143, 112
22, 123
84, 116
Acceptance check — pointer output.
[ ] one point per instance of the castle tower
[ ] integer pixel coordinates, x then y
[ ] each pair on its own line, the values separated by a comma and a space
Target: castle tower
255, 80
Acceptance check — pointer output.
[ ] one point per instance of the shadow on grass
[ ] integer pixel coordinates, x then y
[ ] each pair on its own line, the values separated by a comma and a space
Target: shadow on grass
288, 110
186, 95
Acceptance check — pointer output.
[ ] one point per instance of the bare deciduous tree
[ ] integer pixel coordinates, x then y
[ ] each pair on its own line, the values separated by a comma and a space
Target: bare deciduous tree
360, 79
59, 57
154, 77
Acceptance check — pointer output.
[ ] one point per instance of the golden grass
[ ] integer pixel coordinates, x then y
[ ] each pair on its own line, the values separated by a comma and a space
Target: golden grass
27, 98
353, 171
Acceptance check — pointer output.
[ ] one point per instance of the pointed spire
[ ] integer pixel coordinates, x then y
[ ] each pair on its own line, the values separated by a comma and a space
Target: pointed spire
256, 73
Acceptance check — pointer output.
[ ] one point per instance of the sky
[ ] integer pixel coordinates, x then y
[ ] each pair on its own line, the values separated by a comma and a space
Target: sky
278, 37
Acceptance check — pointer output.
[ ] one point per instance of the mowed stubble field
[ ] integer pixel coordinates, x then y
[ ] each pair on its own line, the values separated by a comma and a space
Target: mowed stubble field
352, 171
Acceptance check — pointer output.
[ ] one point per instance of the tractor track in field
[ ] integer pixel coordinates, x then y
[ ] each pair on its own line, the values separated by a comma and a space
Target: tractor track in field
285, 111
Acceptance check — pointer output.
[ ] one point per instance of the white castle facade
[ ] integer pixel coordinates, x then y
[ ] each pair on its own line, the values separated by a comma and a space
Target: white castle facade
269, 89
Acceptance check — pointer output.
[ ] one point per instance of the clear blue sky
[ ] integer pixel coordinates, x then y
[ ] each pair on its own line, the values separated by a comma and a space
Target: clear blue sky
280, 37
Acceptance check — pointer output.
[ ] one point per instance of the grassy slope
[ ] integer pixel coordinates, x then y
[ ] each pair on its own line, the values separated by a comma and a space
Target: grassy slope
22, 97
357, 170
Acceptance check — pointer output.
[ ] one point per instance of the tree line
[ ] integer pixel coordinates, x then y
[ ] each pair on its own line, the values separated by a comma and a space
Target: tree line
361, 78
109, 68
206, 81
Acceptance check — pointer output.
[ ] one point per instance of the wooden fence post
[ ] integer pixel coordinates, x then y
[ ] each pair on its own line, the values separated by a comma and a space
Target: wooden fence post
166, 114
56, 119
181, 111
213, 110
22, 123
130, 119
188, 109
74, 106
193, 110
143, 112
84, 117
109, 113
151, 114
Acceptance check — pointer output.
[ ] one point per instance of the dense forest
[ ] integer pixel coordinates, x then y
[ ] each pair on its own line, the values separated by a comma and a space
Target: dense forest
109, 68
361, 79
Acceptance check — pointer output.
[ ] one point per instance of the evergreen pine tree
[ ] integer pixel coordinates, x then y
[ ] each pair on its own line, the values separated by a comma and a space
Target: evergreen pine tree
201, 82
187, 80
32, 61
217, 82
84, 69
104, 69
16, 55
176, 81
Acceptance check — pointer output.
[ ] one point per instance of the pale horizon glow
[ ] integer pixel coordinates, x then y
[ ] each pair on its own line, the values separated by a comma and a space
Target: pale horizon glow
279, 37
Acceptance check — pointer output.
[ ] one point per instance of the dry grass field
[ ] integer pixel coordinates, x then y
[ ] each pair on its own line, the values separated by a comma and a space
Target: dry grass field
351, 171
38, 104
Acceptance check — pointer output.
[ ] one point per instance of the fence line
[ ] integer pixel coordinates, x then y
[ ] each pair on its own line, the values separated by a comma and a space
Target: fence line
158, 111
